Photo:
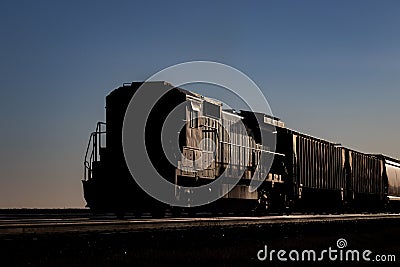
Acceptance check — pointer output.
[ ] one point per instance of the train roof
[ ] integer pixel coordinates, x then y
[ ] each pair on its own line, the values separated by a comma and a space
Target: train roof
127, 90
388, 158
345, 147
137, 85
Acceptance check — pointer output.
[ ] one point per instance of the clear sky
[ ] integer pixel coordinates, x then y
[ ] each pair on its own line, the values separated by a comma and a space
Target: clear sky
328, 68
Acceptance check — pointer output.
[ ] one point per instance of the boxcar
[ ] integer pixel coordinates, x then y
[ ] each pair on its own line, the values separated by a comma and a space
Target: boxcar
391, 177
366, 186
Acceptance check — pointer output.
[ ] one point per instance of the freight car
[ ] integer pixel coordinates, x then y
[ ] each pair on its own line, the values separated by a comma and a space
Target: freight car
306, 174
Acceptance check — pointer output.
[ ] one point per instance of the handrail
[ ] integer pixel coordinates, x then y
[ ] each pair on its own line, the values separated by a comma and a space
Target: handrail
92, 150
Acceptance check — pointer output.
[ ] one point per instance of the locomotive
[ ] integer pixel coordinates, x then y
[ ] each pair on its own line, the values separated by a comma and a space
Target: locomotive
296, 172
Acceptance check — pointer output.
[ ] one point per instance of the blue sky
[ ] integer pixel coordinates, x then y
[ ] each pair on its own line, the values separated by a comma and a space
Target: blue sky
327, 68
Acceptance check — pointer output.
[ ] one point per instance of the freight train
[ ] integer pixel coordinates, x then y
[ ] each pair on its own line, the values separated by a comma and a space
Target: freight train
307, 174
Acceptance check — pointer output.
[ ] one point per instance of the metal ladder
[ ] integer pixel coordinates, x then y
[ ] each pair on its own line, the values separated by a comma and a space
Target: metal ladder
93, 150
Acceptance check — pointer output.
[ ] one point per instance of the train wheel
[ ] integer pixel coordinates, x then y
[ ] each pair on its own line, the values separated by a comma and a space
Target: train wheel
120, 214
214, 212
191, 212
176, 211
288, 207
158, 214
264, 201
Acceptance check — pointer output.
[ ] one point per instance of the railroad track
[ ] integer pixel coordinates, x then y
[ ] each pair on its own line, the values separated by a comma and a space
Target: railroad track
16, 225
